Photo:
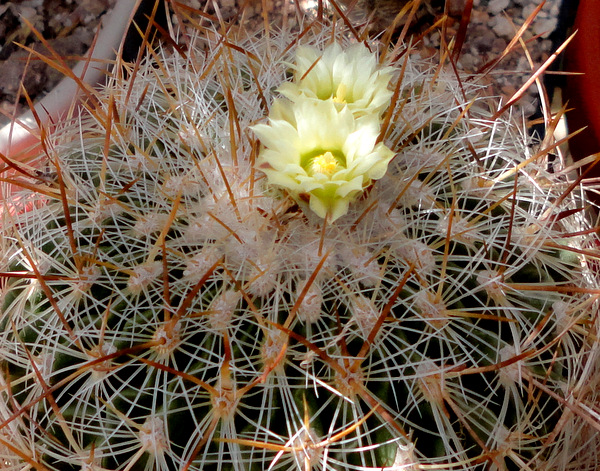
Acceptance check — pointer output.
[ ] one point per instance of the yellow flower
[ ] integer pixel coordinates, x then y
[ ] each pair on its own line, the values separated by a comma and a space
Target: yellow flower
349, 77
320, 153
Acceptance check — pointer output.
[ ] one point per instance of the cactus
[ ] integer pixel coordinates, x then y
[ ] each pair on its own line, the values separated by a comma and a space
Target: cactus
174, 299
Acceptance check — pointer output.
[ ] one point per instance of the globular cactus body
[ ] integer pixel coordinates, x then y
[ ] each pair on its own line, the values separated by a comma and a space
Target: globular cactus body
167, 306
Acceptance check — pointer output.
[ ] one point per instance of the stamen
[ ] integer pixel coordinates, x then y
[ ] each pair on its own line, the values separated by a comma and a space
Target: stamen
340, 94
325, 163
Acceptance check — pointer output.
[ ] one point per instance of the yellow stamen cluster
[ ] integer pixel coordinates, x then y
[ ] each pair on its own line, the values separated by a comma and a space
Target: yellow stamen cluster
325, 164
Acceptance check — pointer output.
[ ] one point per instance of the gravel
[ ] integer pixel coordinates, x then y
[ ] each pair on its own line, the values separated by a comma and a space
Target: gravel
493, 24
69, 26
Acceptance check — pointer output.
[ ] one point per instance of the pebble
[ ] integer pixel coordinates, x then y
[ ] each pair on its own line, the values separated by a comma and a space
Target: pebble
529, 9
544, 28
502, 26
497, 6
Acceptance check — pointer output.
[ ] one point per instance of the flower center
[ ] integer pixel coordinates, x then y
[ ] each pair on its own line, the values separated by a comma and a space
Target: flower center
325, 164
